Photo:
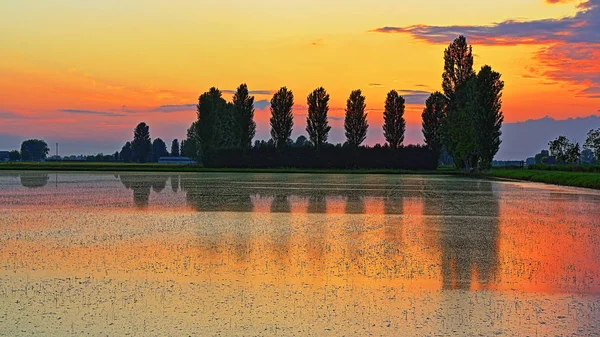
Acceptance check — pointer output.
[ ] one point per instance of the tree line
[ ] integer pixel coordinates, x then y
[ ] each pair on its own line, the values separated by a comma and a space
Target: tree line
462, 123
563, 151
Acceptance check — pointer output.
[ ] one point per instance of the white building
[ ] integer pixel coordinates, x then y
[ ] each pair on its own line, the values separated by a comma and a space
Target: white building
175, 160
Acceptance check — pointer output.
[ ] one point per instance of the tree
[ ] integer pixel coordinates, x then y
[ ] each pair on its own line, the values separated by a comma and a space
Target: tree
593, 142
564, 151
458, 128
317, 125
393, 119
541, 157
588, 157
34, 150
282, 117
141, 145
489, 116
14, 155
229, 134
244, 108
458, 66
433, 117
175, 148
126, 154
159, 149
210, 107
301, 141
190, 147
116, 156
355, 121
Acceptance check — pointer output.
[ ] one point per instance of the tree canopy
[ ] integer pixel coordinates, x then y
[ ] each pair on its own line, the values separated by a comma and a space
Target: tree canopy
244, 108
355, 121
175, 148
282, 117
317, 125
142, 144
432, 118
34, 150
393, 119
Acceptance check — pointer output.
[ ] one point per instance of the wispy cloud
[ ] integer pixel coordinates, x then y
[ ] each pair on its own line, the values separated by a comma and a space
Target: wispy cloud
251, 92
571, 45
11, 115
90, 112
174, 108
376, 85
414, 96
262, 104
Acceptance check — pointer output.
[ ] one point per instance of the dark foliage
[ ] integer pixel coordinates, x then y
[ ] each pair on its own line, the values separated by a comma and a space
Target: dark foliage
355, 121
433, 116
394, 124
489, 116
159, 149
142, 145
175, 148
34, 150
126, 154
458, 65
317, 125
328, 157
282, 117
244, 109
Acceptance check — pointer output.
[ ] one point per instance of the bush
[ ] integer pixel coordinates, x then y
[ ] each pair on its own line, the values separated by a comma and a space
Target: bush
329, 157
566, 168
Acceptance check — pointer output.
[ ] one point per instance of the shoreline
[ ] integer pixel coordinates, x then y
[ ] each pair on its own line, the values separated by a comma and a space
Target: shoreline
552, 177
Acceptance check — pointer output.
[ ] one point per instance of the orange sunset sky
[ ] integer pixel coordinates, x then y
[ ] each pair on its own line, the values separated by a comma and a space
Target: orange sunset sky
84, 73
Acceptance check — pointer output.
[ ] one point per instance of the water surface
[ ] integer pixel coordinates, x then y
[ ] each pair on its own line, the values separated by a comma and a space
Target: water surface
295, 254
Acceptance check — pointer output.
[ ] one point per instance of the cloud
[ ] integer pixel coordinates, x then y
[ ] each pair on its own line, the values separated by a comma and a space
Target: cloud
570, 45
251, 92
262, 104
376, 85
11, 115
174, 108
414, 96
90, 112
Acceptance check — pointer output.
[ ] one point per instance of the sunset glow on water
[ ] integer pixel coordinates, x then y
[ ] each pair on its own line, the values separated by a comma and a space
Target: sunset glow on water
277, 254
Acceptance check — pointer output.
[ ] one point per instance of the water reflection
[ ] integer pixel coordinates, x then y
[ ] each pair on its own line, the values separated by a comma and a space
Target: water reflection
34, 179
142, 184
469, 243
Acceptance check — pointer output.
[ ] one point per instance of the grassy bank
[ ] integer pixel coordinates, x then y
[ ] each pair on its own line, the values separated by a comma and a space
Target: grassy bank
564, 178
153, 167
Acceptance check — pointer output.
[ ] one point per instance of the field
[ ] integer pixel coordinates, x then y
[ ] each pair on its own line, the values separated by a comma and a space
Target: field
564, 178
154, 167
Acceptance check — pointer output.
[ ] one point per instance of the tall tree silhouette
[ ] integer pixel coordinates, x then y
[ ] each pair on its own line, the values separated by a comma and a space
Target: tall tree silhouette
126, 154
244, 108
190, 147
355, 121
393, 119
459, 126
141, 144
282, 117
458, 65
489, 116
316, 122
210, 105
175, 148
159, 149
433, 117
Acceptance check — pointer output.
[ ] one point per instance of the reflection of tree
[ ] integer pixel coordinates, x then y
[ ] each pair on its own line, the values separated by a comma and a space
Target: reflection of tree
217, 195
317, 203
141, 185
34, 179
469, 240
175, 183
394, 208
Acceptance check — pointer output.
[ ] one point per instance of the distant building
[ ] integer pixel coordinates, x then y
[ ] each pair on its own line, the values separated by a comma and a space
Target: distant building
4, 156
175, 160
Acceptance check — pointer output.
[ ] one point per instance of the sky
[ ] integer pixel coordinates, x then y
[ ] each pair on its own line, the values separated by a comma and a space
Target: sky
83, 72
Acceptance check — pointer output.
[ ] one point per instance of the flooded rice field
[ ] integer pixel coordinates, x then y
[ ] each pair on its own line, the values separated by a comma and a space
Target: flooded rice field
151, 254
